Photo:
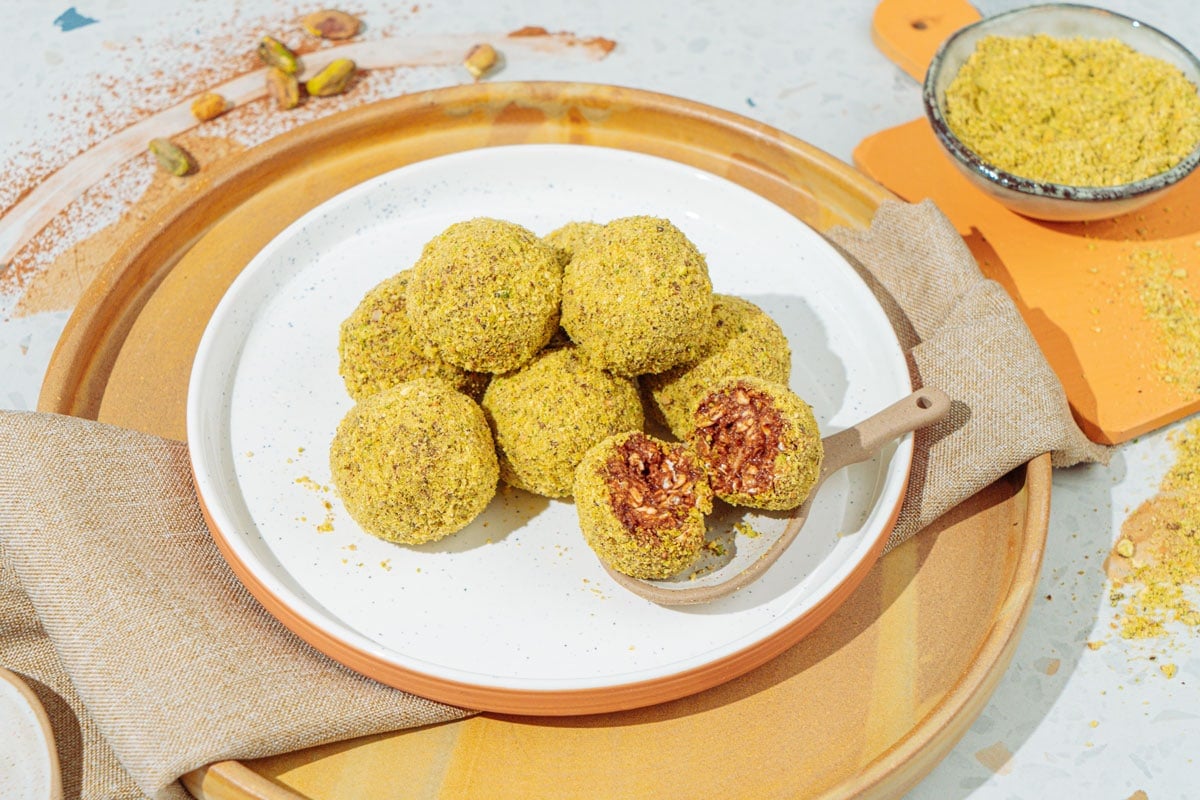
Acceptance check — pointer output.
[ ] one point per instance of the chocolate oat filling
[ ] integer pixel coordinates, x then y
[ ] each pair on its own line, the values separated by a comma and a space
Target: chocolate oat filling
651, 487
737, 436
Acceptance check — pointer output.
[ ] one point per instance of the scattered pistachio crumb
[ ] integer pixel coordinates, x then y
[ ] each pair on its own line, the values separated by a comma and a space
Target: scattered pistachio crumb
1168, 304
1160, 583
746, 529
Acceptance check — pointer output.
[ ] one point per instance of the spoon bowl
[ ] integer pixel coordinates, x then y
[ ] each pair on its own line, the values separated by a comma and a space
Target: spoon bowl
853, 445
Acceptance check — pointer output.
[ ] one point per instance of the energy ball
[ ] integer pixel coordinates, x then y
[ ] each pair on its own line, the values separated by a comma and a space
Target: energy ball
414, 463
744, 341
637, 298
377, 348
548, 414
759, 442
641, 504
486, 293
567, 240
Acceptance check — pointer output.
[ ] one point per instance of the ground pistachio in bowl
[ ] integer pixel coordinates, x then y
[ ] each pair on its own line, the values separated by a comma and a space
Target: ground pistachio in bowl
1066, 112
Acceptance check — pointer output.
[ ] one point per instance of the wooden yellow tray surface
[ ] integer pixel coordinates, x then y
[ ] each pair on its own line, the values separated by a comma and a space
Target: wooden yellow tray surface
863, 707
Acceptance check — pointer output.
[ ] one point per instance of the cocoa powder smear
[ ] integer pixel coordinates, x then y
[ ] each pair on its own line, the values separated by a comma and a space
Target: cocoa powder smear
86, 182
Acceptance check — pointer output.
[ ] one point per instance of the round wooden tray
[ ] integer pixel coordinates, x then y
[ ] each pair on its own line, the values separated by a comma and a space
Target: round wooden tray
864, 706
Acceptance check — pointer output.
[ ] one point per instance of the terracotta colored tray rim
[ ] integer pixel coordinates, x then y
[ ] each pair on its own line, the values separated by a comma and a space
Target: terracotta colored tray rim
85, 353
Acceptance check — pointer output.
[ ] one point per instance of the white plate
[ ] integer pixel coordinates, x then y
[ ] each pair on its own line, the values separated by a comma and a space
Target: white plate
514, 613
28, 760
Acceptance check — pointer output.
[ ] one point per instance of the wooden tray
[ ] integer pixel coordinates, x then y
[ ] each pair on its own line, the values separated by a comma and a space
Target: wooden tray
864, 706
1070, 280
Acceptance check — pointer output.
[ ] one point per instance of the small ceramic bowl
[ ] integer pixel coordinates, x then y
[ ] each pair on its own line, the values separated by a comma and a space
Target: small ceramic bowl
1053, 201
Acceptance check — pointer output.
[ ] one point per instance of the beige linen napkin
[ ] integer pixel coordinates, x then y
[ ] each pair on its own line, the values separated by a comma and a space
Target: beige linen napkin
108, 575
172, 663
965, 336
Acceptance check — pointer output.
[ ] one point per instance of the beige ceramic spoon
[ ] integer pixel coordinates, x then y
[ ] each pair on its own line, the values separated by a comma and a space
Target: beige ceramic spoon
850, 446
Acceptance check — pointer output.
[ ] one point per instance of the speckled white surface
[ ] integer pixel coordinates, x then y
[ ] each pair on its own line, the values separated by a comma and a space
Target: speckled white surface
1106, 723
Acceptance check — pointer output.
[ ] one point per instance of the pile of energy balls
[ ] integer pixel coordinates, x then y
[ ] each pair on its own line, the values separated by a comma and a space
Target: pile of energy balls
505, 356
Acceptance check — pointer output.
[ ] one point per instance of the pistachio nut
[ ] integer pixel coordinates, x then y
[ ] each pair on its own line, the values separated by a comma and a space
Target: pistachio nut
275, 53
171, 158
284, 88
329, 23
208, 106
333, 79
480, 59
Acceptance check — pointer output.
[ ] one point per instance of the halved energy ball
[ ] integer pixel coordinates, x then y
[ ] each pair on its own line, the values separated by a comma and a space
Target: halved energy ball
759, 442
486, 293
548, 414
641, 504
377, 348
414, 463
744, 341
636, 296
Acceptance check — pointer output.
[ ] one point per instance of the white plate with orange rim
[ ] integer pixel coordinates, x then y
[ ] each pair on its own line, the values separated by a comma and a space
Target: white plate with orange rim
514, 613
28, 756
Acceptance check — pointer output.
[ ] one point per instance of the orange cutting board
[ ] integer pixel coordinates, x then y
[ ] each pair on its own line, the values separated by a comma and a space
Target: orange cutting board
1073, 282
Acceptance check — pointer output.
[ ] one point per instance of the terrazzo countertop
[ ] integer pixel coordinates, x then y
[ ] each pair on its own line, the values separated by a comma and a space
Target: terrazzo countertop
1067, 720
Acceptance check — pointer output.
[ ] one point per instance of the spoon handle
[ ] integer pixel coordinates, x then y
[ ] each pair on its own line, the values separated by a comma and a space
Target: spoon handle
860, 442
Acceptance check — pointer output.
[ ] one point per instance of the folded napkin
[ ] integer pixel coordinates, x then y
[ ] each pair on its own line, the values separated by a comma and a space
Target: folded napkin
153, 660
964, 335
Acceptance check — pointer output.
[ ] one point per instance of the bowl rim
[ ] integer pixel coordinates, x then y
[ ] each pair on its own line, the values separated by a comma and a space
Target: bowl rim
974, 163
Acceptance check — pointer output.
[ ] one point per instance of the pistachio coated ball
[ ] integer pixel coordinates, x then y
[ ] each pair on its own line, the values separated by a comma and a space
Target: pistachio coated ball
641, 504
547, 414
414, 463
637, 298
485, 293
744, 341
